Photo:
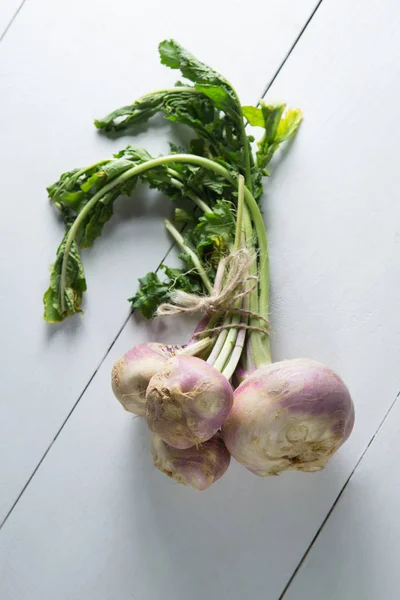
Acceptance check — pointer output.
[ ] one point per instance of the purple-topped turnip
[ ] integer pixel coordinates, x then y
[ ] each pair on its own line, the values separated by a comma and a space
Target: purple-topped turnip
292, 414
132, 372
187, 401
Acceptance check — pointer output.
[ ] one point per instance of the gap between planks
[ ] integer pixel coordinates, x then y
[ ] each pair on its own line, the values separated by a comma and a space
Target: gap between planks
12, 20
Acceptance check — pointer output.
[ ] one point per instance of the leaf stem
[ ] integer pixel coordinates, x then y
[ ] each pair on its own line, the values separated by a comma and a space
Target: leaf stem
245, 142
229, 343
195, 348
219, 344
177, 183
260, 342
200, 203
227, 338
239, 214
236, 353
195, 259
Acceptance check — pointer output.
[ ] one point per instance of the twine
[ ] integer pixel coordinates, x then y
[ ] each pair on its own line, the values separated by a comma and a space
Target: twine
231, 285
232, 326
232, 288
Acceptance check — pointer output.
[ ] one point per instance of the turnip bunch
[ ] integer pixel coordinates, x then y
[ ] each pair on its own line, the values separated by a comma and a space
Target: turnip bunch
287, 415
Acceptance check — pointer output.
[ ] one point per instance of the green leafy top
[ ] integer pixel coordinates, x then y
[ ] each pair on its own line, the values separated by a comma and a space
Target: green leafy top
210, 108
207, 104
210, 236
154, 291
214, 234
182, 104
206, 80
55, 308
278, 128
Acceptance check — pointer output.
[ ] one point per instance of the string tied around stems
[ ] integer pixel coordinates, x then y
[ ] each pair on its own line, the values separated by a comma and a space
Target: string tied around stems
235, 284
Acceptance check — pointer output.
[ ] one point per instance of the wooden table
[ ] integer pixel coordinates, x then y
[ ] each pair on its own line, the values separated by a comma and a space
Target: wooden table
84, 513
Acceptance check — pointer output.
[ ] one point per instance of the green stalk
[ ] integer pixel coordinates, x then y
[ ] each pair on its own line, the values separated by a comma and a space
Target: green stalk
227, 338
175, 180
236, 353
246, 154
245, 141
219, 344
195, 259
195, 348
229, 344
200, 203
260, 342
239, 214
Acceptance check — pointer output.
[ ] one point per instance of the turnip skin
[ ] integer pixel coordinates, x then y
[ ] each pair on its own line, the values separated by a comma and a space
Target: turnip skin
132, 372
292, 414
197, 467
187, 401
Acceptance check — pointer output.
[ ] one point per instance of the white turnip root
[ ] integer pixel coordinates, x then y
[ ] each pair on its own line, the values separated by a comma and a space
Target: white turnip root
132, 372
187, 401
197, 467
292, 414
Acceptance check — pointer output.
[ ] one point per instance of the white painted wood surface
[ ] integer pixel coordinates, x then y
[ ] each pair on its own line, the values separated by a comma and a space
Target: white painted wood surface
8, 8
97, 521
357, 553
62, 64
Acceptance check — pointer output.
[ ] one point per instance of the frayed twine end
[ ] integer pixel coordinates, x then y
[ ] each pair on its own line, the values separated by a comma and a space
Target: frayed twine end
235, 284
233, 287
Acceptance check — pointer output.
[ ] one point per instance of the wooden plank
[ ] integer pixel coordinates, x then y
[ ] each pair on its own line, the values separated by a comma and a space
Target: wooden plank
357, 553
62, 64
97, 520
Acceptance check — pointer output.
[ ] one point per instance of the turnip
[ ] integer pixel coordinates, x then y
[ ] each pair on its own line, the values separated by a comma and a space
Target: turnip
132, 372
292, 414
187, 401
197, 467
